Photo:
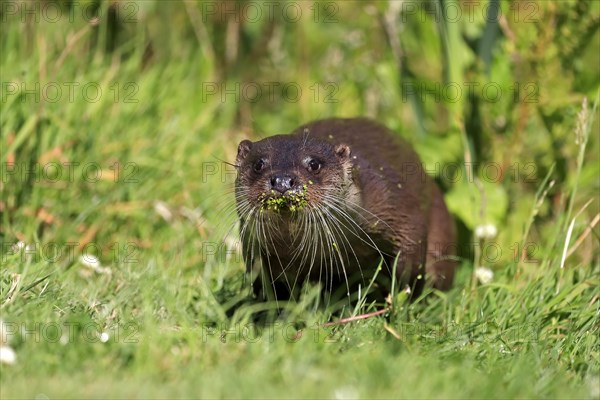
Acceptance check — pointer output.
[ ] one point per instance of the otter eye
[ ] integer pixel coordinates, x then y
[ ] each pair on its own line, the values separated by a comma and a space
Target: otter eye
314, 165
259, 165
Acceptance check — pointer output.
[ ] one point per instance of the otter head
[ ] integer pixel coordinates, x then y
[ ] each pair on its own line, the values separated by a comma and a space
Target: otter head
291, 173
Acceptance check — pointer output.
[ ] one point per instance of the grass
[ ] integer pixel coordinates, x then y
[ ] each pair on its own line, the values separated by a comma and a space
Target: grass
162, 313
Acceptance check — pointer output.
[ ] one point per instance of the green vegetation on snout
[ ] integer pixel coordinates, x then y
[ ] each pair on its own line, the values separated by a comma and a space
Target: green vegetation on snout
294, 201
121, 274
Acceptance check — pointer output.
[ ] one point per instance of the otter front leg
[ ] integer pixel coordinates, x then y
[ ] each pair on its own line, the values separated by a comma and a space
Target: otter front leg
252, 260
264, 285
410, 268
272, 283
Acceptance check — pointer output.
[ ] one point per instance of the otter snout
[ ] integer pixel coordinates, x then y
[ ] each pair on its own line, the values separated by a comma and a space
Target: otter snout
284, 182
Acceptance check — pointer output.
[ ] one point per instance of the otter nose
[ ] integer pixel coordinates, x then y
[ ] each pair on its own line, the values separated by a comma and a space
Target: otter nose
282, 183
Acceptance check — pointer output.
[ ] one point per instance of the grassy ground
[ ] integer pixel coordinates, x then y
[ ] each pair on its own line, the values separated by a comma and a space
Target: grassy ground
161, 314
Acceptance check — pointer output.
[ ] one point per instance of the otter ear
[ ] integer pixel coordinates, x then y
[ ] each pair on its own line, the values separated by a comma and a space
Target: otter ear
342, 151
243, 150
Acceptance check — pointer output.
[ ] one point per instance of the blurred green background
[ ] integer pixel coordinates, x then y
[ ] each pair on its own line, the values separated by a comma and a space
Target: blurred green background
144, 99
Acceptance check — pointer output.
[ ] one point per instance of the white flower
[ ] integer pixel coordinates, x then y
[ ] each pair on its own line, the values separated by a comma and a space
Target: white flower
104, 336
484, 275
93, 263
64, 339
486, 231
89, 261
346, 392
7, 355
20, 245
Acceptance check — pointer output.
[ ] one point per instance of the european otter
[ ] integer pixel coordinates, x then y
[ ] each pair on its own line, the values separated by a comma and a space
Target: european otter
333, 200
